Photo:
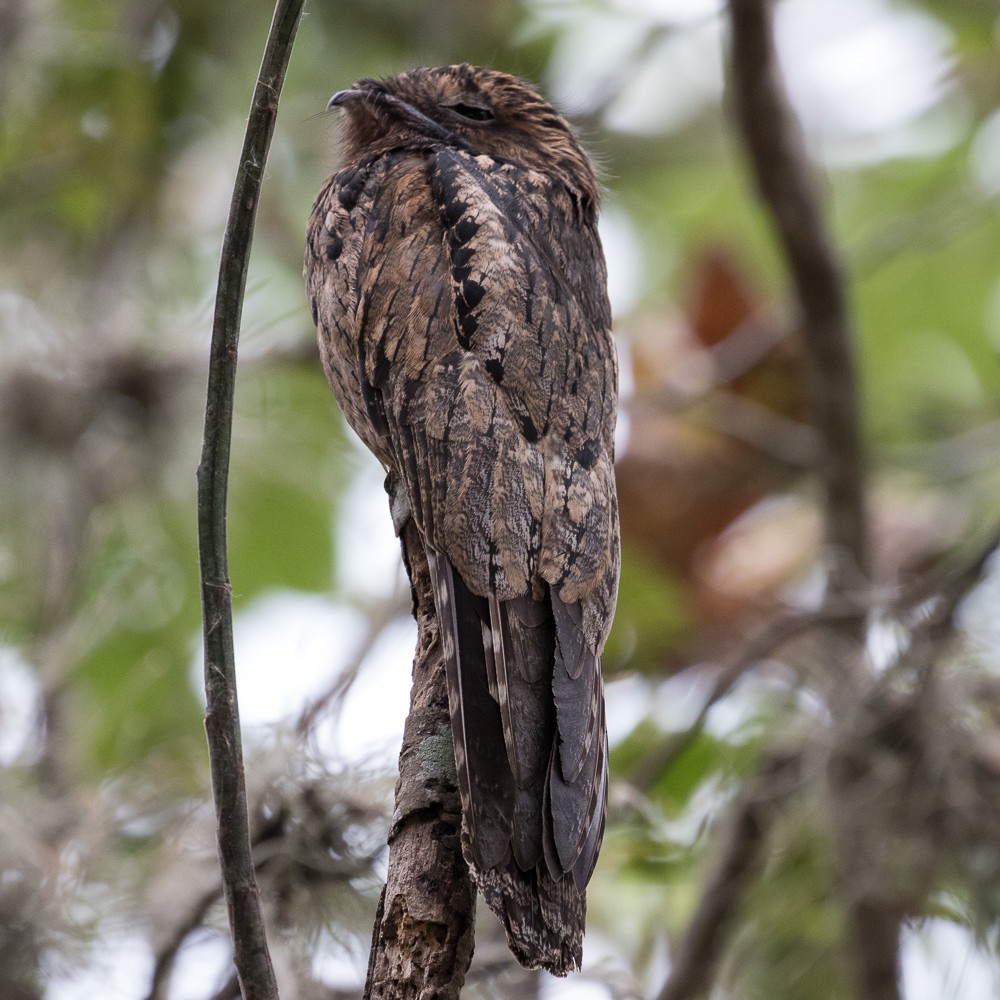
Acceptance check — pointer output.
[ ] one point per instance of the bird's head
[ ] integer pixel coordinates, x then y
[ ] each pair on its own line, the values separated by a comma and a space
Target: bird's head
466, 107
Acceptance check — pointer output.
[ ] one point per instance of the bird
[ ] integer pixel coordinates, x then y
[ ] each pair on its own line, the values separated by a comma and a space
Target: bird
459, 289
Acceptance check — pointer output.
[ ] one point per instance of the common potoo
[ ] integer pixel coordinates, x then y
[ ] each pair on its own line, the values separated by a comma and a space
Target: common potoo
459, 290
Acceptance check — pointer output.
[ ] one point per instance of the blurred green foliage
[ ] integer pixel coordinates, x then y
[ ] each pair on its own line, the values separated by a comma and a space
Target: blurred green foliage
120, 124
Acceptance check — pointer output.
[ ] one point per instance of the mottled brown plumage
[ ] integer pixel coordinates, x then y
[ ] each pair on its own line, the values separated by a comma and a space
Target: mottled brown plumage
458, 286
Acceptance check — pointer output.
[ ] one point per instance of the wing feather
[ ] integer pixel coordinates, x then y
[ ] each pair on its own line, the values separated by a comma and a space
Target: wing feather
485, 780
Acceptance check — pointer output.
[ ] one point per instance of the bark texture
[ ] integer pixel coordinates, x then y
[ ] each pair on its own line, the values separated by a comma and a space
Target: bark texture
424, 930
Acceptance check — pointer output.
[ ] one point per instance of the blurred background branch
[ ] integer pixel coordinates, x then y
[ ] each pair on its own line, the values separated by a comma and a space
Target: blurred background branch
715, 918
789, 187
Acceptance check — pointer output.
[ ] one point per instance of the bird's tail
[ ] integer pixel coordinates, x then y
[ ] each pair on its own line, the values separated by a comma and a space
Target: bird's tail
544, 918
527, 713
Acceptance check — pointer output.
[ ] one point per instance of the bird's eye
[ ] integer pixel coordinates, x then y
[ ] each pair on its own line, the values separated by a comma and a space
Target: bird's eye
473, 112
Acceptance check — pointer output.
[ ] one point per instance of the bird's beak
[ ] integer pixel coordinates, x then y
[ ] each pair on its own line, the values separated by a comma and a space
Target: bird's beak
343, 97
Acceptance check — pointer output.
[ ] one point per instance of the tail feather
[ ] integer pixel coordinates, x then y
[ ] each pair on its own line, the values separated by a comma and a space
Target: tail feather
576, 689
527, 708
485, 781
524, 673
544, 918
583, 868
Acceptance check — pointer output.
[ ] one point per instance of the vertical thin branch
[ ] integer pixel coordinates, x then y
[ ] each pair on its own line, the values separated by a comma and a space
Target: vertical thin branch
222, 723
789, 187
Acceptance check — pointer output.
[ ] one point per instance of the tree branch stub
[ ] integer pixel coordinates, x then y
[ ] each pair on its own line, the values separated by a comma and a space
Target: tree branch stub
423, 937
